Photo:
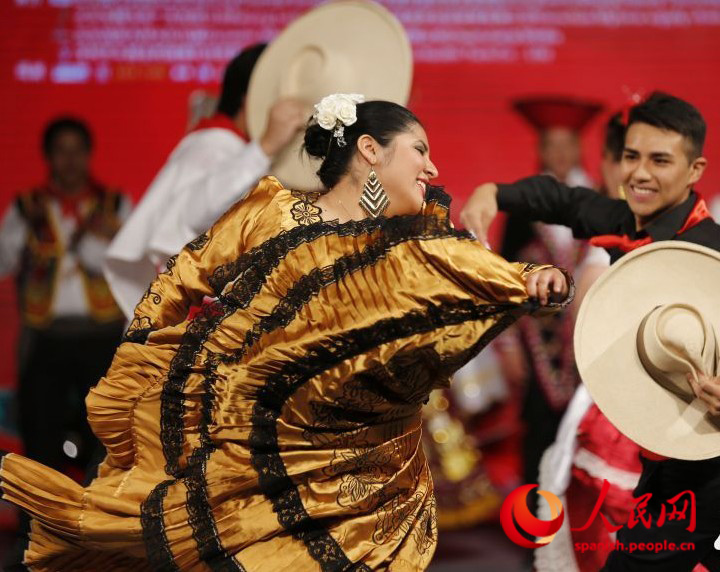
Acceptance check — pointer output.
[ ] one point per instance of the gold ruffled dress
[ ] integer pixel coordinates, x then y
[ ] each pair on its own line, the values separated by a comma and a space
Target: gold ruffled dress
279, 428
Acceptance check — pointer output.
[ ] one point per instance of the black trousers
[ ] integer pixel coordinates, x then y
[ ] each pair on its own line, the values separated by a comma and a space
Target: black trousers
666, 479
57, 366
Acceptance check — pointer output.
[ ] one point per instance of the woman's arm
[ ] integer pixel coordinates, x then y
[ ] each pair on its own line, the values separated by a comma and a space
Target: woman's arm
493, 279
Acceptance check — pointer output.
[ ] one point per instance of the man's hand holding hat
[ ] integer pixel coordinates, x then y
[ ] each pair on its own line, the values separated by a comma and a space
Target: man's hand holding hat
286, 118
707, 388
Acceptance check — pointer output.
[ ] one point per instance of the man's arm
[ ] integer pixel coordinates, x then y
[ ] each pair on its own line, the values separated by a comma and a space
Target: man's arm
236, 175
543, 198
230, 181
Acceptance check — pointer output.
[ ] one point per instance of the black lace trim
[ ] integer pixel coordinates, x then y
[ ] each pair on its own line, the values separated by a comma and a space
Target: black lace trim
309, 285
172, 399
200, 515
437, 195
137, 335
252, 269
153, 530
274, 481
276, 248
269, 254
252, 275
305, 288
198, 243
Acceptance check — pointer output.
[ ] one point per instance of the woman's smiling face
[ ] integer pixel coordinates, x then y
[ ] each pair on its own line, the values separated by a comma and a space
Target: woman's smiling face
404, 169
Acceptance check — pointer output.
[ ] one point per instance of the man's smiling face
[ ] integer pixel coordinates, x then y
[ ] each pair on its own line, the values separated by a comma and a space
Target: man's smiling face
657, 170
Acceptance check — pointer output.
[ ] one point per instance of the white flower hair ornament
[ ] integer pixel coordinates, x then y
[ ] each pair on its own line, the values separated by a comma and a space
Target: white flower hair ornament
336, 112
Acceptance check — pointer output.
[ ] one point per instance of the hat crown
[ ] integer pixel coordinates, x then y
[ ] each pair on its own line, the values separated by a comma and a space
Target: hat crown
614, 325
674, 340
343, 46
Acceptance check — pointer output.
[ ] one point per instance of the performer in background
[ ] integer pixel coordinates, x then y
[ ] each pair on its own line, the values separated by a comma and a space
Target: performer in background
610, 163
280, 427
208, 171
662, 162
537, 354
588, 450
559, 122
53, 239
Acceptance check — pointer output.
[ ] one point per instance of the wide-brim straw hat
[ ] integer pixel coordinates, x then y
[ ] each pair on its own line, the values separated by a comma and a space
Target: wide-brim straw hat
646, 323
345, 46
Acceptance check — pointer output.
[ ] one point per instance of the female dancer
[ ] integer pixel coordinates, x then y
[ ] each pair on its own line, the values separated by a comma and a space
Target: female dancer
279, 427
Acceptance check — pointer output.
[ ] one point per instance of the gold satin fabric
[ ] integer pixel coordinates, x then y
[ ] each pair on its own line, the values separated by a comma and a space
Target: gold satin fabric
278, 429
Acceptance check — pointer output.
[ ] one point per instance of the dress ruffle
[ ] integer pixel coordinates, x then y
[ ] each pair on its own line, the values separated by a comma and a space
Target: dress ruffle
282, 422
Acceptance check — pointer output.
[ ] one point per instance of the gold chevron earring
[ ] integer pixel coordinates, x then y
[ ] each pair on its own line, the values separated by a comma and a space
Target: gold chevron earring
374, 200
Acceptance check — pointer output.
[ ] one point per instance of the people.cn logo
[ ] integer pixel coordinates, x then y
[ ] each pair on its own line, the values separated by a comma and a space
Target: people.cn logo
515, 516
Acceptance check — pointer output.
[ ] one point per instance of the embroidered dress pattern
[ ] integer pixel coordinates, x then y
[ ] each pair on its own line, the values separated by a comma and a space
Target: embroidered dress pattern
317, 334
304, 211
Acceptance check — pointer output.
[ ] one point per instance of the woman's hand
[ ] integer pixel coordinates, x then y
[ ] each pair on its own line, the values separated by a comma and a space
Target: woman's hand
543, 284
708, 390
480, 210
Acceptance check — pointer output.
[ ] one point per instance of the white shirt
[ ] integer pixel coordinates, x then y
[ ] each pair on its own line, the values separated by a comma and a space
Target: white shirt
69, 296
563, 235
209, 171
577, 177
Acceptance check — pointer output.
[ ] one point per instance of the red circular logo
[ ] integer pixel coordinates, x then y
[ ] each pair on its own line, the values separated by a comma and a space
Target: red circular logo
516, 514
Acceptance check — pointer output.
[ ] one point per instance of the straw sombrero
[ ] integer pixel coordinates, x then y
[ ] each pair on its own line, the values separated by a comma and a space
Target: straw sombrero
345, 46
646, 323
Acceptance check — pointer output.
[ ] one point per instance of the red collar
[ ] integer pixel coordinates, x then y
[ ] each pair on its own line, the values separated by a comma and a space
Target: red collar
221, 121
70, 203
624, 243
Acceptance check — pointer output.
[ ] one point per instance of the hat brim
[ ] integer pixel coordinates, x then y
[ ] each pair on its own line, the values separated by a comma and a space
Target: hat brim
606, 350
345, 46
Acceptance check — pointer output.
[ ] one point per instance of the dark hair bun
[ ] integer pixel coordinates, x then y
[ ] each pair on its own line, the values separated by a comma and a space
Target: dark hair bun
317, 141
382, 120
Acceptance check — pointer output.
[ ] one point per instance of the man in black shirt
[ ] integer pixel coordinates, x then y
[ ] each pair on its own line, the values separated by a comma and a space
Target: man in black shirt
662, 161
